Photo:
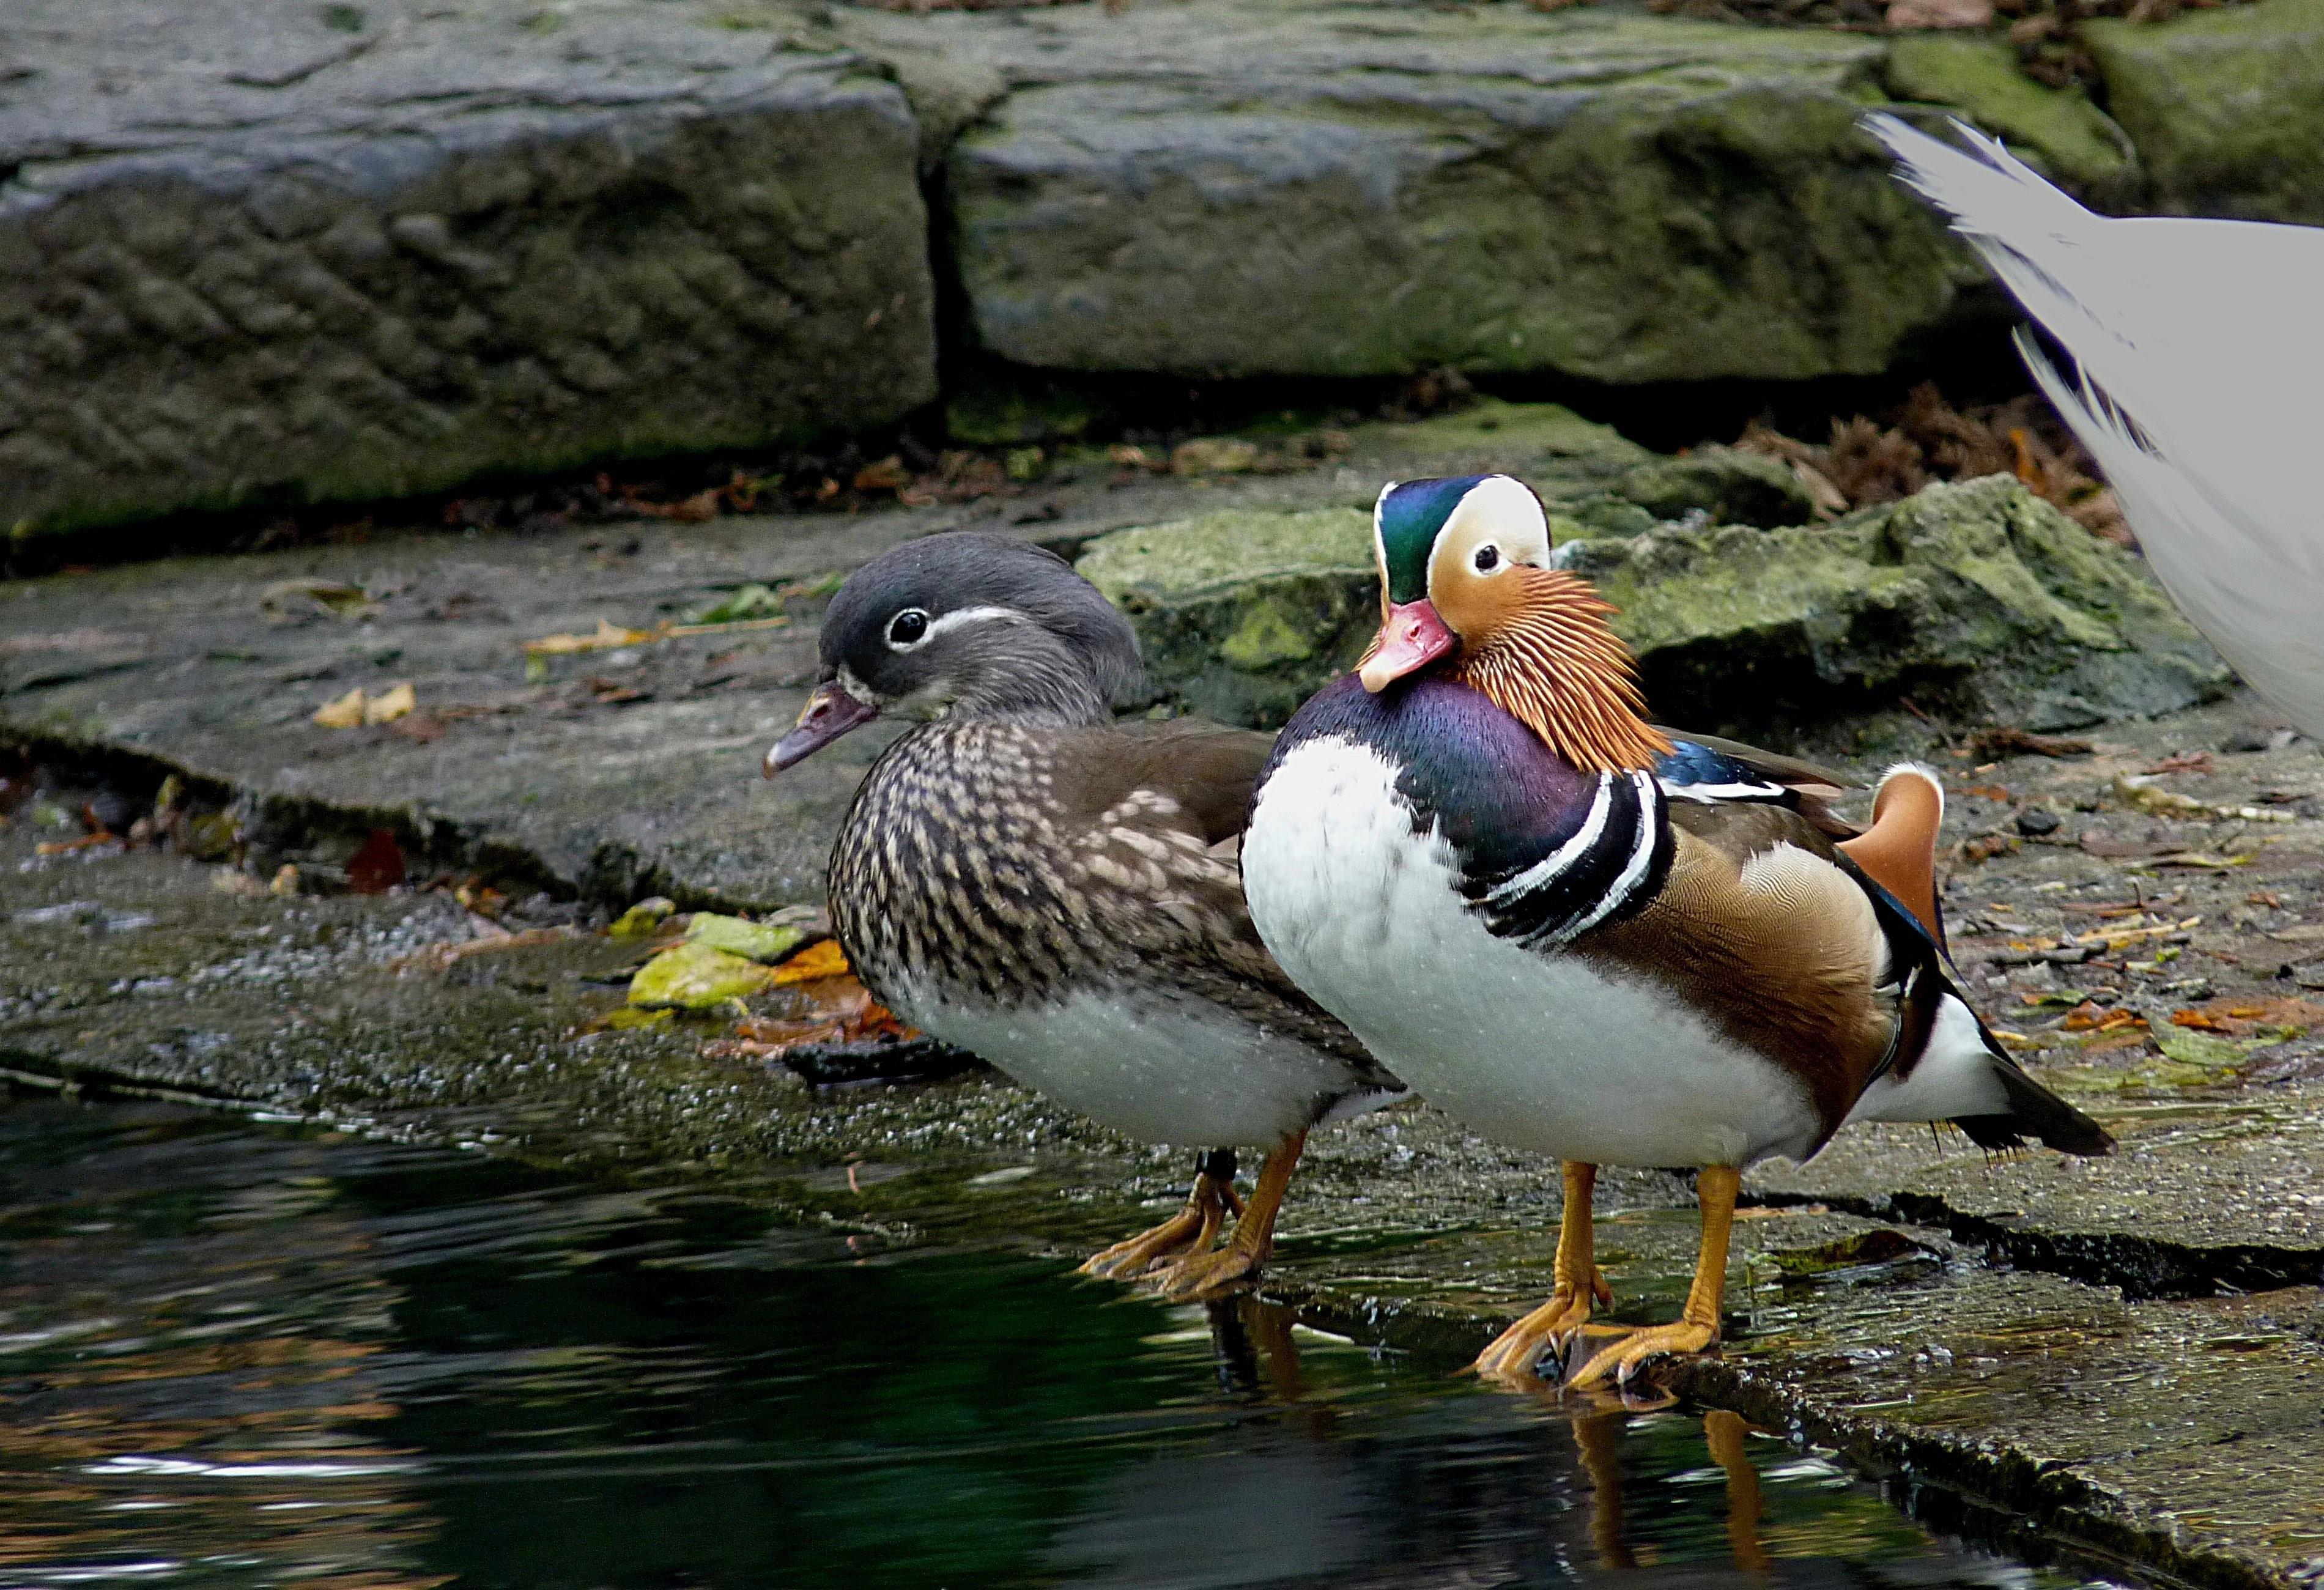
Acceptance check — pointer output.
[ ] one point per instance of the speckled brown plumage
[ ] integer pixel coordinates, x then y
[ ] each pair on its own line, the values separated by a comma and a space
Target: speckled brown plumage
1005, 863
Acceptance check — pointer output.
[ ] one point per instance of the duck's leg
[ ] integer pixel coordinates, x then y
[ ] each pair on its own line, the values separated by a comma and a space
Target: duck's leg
1192, 1230
1697, 1323
1512, 1355
1723, 1433
1202, 1275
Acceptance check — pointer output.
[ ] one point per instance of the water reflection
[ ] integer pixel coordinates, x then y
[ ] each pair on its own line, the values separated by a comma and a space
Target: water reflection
235, 1355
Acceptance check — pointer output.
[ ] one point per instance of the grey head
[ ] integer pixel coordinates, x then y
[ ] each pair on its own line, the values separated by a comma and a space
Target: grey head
967, 625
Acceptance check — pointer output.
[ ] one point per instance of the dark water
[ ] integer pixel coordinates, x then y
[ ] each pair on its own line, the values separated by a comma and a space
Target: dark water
233, 1355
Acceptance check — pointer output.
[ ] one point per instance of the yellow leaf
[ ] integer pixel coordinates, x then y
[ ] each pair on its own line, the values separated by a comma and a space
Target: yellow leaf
605, 637
825, 960
346, 713
395, 703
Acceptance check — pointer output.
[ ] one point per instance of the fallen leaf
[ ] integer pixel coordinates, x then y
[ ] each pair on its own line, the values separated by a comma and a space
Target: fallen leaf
377, 865
825, 960
2183, 762
886, 475
690, 976
605, 637
396, 701
2005, 741
763, 942
293, 599
346, 713
642, 920
491, 941
1213, 456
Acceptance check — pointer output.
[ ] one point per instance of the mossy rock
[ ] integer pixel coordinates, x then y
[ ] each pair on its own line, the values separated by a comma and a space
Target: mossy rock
1977, 599
1977, 76
1329, 190
2226, 107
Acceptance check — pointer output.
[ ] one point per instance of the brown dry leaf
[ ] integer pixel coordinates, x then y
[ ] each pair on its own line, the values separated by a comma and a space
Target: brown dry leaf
1214, 455
2005, 741
438, 957
824, 960
844, 1013
2183, 762
377, 866
888, 475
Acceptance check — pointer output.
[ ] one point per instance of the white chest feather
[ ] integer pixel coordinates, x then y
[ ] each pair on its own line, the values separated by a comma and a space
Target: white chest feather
1158, 1067
1535, 1049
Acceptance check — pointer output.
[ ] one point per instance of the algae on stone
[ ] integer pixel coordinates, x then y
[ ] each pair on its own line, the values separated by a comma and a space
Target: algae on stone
1976, 75
1978, 596
2226, 107
1327, 190
1241, 613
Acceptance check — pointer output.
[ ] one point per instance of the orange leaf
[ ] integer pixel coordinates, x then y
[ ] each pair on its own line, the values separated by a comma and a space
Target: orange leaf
824, 960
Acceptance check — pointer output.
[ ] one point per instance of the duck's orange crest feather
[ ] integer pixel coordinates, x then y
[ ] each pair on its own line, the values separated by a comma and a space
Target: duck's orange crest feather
1553, 662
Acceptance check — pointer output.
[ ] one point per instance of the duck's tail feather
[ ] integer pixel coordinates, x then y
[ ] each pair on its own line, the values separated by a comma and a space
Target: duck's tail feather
2034, 1111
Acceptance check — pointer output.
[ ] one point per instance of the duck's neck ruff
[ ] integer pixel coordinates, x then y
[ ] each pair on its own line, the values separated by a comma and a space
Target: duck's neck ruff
1553, 664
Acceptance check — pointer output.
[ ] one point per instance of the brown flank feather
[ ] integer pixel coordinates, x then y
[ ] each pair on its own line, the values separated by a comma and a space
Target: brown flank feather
1552, 663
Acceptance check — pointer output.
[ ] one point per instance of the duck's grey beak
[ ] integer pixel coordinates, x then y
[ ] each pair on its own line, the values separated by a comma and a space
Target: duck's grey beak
829, 714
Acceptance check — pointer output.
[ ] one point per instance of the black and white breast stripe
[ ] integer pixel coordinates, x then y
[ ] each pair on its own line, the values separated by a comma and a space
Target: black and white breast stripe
1761, 791
1611, 866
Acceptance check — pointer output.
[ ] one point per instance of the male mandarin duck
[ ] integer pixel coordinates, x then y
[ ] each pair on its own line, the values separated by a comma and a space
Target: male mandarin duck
2196, 344
1584, 938
1023, 878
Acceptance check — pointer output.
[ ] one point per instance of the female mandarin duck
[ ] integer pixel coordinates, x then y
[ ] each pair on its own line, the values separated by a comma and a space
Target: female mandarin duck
1586, 940
1025, 878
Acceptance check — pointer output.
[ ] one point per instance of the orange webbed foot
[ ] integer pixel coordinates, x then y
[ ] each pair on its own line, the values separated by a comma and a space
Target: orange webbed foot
1624, 1358
1552, 1329
1188, 1232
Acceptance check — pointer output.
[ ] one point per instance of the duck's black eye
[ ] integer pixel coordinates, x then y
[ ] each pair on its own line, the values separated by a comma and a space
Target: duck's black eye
908, 628
1488, 558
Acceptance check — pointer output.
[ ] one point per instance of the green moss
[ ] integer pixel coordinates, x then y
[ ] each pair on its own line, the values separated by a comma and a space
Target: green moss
1141, 568
1978, 595
2058, 129
2227, 106
1515, 433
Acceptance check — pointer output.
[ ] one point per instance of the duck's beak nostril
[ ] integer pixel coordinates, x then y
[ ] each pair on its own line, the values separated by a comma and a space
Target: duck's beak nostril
830, 713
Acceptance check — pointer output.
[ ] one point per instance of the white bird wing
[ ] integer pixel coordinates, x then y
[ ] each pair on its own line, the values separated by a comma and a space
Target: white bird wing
2200, 390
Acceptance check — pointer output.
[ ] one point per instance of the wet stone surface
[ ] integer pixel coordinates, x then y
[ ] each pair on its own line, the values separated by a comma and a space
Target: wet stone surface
2124, 1355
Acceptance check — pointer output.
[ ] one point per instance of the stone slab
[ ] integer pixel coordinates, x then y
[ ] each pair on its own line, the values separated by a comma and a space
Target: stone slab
369, 250
1341, 189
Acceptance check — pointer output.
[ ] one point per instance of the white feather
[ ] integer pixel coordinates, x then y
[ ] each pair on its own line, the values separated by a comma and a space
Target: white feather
2199, 388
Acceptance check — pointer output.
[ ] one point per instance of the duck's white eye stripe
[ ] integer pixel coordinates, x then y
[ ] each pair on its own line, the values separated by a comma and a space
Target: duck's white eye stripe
961, 616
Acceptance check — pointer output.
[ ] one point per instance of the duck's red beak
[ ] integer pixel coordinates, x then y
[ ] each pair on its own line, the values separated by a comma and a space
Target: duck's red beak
1413, 638
829, 714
